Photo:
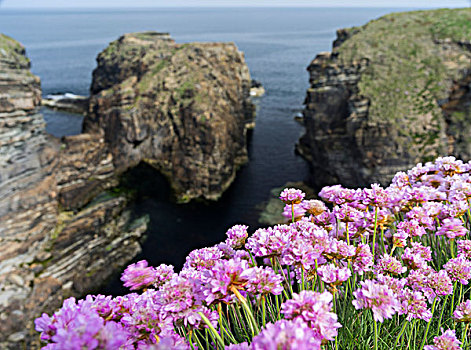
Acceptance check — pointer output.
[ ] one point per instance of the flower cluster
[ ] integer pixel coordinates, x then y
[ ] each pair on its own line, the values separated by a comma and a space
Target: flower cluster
402, 252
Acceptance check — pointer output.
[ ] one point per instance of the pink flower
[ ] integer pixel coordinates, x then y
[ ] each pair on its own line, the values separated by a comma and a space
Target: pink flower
463, 312
332, 274
452, 228
389, 264
446, 341
294, 334
138, 275
314, 309
236, 236
464, 248
459, 269
299, 211
377, 297
292, 196
414, 305
269, 241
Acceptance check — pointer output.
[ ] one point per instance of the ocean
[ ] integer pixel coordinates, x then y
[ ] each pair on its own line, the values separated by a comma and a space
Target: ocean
278, 44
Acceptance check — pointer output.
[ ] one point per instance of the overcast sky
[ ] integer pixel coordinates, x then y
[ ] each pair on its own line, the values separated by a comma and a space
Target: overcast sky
231, 3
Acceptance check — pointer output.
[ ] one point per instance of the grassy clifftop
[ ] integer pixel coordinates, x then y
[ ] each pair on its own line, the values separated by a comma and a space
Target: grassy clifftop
12, 51
415, 57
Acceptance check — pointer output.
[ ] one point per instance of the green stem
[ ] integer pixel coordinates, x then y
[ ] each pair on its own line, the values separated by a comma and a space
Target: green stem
213, 330
264, 311
401, 333
463, 337
376, 333
253, 324
441, 313
428, 324
221, 327
374, 232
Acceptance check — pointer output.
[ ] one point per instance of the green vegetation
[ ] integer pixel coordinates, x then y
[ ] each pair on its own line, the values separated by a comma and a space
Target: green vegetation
409, 70
453, 24
12, 49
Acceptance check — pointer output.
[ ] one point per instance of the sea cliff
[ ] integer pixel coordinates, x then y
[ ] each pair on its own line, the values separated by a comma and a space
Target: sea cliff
61, 233
392, 93
182, 108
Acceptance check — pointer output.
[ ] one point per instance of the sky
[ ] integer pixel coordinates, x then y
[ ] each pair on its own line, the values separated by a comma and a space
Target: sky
230, 3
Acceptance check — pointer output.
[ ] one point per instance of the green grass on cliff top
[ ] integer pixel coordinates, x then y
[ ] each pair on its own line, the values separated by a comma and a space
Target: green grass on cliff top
410, 68
12, 49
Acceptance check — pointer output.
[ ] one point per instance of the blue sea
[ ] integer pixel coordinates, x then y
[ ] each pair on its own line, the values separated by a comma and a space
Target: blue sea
278, 44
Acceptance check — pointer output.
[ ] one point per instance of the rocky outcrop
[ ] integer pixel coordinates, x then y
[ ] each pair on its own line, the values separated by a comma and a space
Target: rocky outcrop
67, 102
61, 233
392, 93
183, 108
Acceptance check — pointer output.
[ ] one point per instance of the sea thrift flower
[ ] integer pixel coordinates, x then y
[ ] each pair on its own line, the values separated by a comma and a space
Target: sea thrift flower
203, 259
340, 250
452, 228
463, 312
262, 281
377, 297
292, 196
167, 342
163, 273
459, 269
396, 284
315, 309
464, 248
78, 326
314, 207
400, 238
337, 194
411, 228
332, 274
285, 334
446, 341
417, 256
236, 236
363, 259
420, 215
300, 251
414, 305
299, 212
441, 283
389, 264
225, 275
138, 275
181, 300
375, 196
269, 241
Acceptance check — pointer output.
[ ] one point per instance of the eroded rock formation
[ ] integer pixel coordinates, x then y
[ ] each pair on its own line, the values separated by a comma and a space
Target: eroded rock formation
183, 108
60, 233
392, 93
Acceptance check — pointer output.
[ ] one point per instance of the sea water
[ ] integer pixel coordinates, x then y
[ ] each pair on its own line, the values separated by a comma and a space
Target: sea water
278, 46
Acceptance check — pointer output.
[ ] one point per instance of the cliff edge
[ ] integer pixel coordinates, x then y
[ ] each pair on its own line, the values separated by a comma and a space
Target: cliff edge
61, 233
392, 93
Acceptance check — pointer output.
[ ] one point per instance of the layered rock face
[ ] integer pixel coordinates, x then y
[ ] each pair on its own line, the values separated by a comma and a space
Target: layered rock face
392, 93
60, 233
183, 108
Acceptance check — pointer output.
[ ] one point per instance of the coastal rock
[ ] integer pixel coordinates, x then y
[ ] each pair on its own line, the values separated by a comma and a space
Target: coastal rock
182, 108
67, 103
61, 233
392, 93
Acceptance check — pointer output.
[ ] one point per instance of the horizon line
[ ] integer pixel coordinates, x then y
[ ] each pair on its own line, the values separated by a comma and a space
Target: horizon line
220, 6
